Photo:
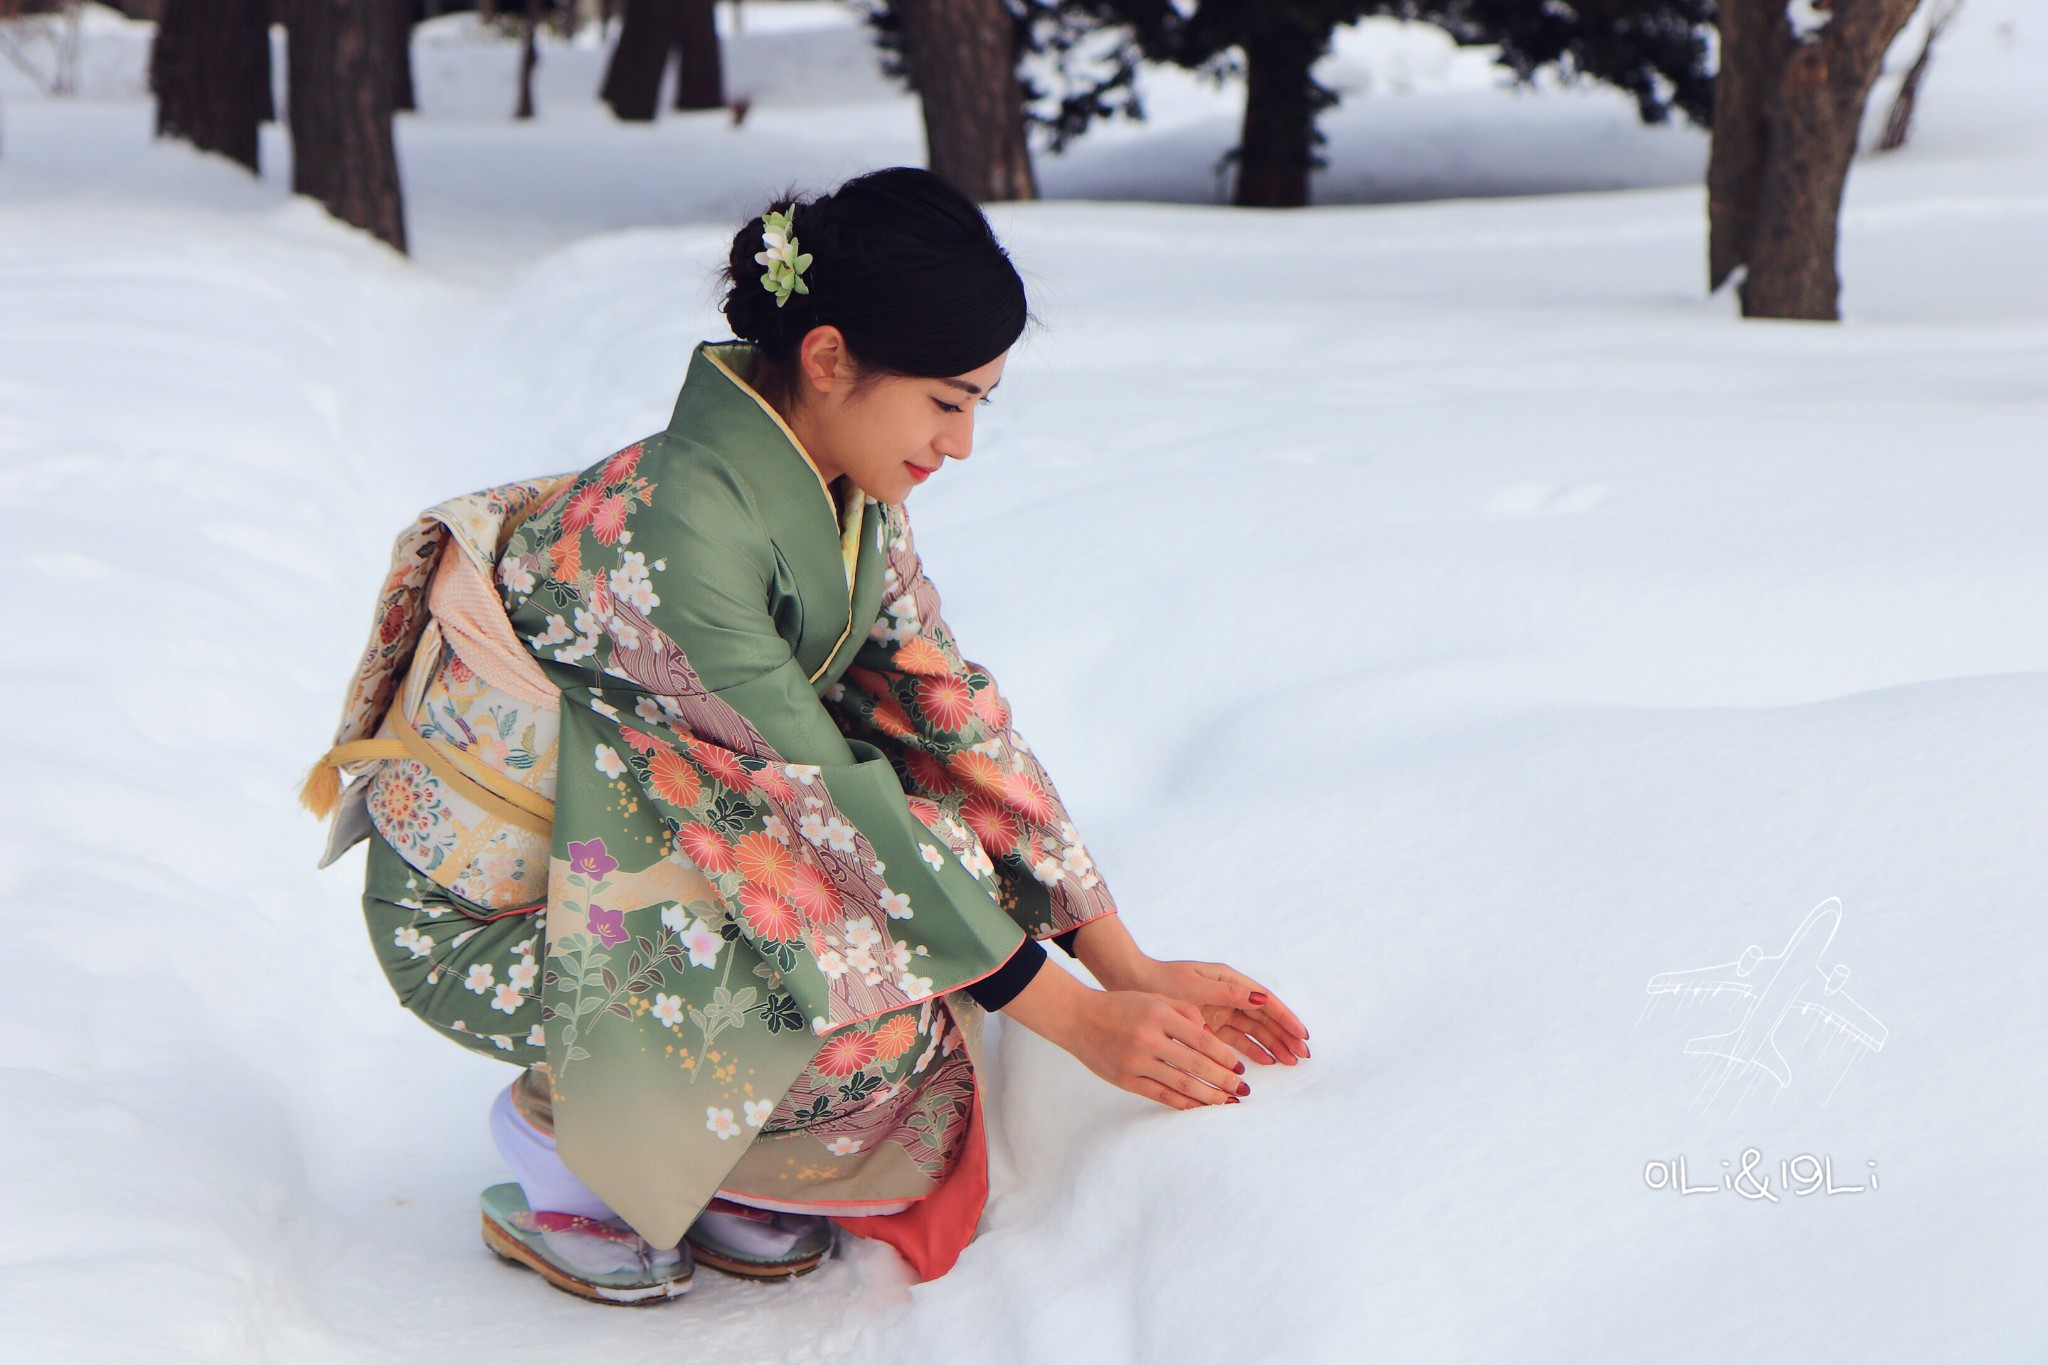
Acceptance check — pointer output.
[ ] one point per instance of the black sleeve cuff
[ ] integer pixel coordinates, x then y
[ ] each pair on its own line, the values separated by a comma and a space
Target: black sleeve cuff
1001, 986
1066, 940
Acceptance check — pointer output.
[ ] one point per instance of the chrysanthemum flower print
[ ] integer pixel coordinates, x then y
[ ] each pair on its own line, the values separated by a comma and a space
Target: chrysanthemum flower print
705, 847
672, 777
765, 861
894, 1037
845, 1052
768, 914
948, 702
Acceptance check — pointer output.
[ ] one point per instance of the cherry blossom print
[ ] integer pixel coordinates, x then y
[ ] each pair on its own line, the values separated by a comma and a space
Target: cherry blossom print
669, 1010
506, 998
845, 1052
720, 1122
757, 1111
413, 941
479, 977
609, 763
843, 1146
702, 942
894, 904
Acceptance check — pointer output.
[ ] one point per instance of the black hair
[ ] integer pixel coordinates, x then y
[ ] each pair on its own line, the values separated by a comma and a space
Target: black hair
902, 263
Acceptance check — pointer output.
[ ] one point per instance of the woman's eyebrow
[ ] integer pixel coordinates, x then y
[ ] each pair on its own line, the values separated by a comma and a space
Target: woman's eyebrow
966, 387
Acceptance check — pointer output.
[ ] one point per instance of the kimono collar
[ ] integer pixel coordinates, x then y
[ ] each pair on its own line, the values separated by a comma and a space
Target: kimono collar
719, 408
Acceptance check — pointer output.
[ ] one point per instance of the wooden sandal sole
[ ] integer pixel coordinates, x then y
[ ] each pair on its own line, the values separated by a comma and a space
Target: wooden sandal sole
509, 1248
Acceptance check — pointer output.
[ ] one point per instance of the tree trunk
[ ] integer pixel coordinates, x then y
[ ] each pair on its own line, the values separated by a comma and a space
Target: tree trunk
1898, 123
1276, 149
529, 58
650, 30
1775, 198
700, 71
398, 52
962, 57
210, 70
340, 107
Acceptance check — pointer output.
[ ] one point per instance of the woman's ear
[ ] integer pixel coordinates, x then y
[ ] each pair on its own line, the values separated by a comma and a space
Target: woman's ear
824, 361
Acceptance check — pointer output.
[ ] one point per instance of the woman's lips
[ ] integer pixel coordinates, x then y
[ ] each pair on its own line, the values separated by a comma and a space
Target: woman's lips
918, 471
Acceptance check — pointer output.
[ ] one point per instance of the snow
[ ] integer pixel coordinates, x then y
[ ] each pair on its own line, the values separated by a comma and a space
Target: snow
1442, 611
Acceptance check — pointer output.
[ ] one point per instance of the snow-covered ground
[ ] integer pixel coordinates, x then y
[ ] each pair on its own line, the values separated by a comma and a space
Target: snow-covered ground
1441, 611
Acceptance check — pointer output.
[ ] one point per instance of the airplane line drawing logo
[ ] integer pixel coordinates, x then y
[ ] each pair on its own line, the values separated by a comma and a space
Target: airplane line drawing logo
1791, 982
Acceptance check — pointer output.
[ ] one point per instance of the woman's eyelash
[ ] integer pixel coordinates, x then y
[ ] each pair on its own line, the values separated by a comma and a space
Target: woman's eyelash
955, 407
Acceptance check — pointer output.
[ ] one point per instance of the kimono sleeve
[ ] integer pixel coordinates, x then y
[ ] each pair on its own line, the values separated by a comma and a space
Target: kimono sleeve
831, 876
946, 725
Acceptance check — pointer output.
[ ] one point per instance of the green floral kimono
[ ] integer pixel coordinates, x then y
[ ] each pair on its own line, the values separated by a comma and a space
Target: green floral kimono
790, 823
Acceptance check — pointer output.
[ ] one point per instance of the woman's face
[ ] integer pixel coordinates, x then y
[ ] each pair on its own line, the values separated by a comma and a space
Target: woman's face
892, 435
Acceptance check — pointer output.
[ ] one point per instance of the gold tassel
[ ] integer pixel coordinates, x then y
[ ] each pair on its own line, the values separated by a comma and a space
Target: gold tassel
322, 790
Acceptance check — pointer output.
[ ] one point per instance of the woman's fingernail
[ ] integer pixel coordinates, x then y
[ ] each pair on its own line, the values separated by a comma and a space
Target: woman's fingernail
1243, 1089
1258, 997
1304, 1051
1240, 1068
1231, 1100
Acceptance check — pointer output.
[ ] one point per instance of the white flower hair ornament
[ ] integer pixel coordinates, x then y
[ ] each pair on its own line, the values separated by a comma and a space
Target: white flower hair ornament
784, 274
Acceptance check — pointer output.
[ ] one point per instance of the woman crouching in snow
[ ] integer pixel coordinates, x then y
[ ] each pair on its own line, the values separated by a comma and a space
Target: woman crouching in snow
688, 803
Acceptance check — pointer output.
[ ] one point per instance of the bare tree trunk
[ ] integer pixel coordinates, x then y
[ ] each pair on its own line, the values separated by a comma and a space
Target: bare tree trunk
1276, 149
650, 30
529, 58
1898, 123
210, 70
962, 57
398, 33
340, 105
700, 73
1778, 215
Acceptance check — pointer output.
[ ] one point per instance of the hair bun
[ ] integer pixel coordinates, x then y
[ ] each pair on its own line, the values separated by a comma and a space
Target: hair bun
904, 264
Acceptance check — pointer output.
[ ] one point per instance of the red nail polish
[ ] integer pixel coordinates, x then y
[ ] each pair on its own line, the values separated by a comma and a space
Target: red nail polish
1258, 997
1240, 1068
1243, 1089
1231, 1100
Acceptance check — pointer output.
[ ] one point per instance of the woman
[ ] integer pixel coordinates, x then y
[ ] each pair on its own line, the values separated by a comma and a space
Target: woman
795, 847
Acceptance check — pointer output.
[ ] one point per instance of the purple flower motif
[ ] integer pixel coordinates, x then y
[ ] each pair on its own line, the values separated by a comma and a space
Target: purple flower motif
608, 925
590, 859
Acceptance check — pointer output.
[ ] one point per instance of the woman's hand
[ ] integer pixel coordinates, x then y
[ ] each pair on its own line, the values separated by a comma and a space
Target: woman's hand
1137, 1041
1245, 1014
1236, 1008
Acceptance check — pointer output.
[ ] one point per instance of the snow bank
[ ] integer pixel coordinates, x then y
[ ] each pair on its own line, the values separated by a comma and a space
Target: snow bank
1442, 612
